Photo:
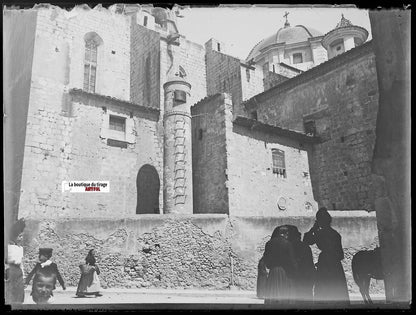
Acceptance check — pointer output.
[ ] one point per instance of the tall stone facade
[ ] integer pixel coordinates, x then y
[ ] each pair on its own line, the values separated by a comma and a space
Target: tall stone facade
339, 98
262, 148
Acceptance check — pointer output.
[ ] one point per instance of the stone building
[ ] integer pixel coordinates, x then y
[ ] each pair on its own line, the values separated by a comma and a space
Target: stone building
205, 153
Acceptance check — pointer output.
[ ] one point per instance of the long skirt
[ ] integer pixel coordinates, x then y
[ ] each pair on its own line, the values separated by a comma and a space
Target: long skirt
330, 284
261, 279
15, 289
89, 284
280, 288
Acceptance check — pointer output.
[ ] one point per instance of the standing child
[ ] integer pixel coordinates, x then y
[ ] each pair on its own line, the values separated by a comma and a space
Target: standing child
43, 286
89, 283
45, 266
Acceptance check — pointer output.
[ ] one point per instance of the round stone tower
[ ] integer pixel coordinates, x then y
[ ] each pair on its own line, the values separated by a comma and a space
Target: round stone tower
177, 172
343, 37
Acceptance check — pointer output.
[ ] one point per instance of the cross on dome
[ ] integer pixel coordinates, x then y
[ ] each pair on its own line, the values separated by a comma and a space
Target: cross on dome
287, 24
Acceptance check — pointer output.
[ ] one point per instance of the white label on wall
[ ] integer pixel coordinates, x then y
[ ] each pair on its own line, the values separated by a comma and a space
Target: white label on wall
87, 186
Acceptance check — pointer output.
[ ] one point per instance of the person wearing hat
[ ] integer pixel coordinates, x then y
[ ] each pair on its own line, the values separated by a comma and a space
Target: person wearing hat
14, 286
330, 282
45, 266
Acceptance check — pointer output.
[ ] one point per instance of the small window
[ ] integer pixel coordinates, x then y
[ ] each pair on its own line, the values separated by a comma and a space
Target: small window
253, 115
274, 70
248, 75
218, 47
117, 123
310, 128
338, 48
92, 41
297, 58
145, 21
200, 132
279, 166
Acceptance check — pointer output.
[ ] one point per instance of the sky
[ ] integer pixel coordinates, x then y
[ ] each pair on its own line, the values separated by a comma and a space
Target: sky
240, 28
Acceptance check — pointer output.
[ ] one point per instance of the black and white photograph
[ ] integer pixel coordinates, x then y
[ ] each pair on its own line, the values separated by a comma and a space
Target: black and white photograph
206, 157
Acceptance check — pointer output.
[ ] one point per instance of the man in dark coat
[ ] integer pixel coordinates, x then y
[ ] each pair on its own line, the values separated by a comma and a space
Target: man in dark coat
304, 279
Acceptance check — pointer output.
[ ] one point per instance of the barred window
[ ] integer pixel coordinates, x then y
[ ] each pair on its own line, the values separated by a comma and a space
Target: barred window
279, 166
117, 123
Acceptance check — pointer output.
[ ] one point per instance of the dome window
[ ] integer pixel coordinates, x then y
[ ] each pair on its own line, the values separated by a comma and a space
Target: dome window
297, 58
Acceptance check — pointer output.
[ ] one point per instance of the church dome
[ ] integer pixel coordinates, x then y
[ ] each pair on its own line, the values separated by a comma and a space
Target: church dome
286, 35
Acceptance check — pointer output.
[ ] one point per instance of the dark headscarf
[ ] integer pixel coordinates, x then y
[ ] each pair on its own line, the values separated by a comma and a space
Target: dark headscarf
90, 259
278, 231
323, 217
294, 234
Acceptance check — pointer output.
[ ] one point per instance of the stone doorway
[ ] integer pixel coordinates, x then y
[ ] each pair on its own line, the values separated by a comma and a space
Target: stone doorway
148, 185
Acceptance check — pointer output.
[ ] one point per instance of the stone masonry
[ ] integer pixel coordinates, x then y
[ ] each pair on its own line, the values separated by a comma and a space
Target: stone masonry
345, 86
210, 251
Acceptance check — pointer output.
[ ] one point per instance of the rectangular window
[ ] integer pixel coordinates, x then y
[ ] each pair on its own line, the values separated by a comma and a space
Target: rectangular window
297, 58
310, 128
145, 21
248, 75
117, 123
90, 66
279, 166
219, 47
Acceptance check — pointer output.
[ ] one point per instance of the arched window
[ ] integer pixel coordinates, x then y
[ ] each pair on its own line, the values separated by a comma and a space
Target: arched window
181, 72
92, 41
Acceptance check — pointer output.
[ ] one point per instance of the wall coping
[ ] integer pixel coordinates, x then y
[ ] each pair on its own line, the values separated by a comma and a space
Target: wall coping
203, 216
256, 125
315, 72
112, 100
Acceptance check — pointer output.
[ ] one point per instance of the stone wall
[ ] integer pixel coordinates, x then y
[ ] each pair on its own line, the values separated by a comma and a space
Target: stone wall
64, 138
209, 155
195, 251
341, 97
191, 57
76, 148
253, 187
272, 79
224, 76
145, 66
19, 38
251, 82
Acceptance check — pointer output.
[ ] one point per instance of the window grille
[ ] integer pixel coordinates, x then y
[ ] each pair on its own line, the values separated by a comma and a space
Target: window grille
279, 166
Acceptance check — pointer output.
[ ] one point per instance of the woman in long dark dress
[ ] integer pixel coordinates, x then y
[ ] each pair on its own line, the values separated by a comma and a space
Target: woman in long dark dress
330, 283
306, 269
280, 259
89, 283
